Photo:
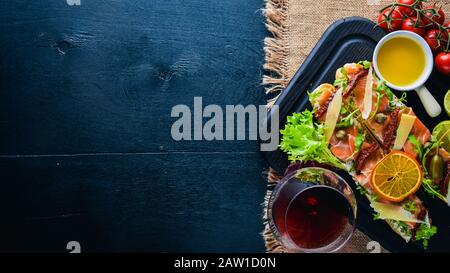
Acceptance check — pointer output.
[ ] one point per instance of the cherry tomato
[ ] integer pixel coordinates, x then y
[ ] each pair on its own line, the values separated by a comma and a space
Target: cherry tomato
392, 23
435, 14
442, 63
447, 26
436, 39
414, 25
406, 10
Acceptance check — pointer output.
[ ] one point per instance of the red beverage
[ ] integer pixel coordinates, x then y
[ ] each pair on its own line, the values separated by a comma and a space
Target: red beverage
317, 216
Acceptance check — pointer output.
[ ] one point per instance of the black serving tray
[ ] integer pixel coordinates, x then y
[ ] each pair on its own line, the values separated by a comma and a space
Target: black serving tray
351, 40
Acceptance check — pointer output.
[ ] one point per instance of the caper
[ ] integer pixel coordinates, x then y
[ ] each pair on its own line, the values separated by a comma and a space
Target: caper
437, 168
341, 134
380, 118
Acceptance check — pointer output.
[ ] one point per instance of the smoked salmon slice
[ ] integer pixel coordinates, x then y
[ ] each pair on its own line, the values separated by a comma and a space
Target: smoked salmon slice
344, 148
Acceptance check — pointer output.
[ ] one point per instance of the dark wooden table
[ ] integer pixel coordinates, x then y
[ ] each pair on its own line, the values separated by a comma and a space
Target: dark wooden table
85, 147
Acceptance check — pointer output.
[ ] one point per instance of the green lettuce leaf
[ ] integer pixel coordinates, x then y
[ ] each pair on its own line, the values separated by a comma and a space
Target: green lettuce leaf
304, 140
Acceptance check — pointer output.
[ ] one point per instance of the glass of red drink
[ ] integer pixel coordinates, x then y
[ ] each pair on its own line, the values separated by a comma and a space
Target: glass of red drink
312, 210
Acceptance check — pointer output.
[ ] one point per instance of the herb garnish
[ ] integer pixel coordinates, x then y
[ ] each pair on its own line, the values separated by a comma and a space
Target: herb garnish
418, 147
373, 198
359, 141
365, 64
381, 86
361, 189
377, 103
347, 121
403, 98
431, 189
403, 227
342, 82
409, 206
376, 216
424, 233
313, 96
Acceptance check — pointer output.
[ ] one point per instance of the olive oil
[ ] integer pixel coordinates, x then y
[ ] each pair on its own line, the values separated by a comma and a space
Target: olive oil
401, 61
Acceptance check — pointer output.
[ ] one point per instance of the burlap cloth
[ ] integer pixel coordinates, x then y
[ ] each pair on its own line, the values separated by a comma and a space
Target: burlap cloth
296, 26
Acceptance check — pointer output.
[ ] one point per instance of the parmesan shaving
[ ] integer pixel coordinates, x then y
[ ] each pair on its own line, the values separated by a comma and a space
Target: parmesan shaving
368, 95
403, 130
333, 114
394, 212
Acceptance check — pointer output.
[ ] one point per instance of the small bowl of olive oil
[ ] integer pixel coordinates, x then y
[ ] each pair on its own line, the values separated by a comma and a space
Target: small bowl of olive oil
404, 61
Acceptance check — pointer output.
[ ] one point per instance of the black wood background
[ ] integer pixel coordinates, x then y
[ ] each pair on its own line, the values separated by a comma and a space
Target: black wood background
85, 148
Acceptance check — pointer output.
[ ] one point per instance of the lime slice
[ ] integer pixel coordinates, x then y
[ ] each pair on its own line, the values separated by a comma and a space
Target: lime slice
441, 129
447, 103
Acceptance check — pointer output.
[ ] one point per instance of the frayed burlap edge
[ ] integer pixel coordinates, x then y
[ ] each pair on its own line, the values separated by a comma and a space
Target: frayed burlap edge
276, 79
272, 245
276, 49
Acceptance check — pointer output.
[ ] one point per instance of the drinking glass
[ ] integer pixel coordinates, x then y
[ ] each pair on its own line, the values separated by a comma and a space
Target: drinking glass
312, 210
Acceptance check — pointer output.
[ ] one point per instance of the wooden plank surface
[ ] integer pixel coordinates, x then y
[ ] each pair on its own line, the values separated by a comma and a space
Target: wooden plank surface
85, 147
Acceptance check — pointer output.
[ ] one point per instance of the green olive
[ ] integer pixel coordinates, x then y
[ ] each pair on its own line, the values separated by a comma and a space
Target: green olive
437, 168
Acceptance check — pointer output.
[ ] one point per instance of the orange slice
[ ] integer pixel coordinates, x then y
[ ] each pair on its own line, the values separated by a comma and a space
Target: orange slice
396, 176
